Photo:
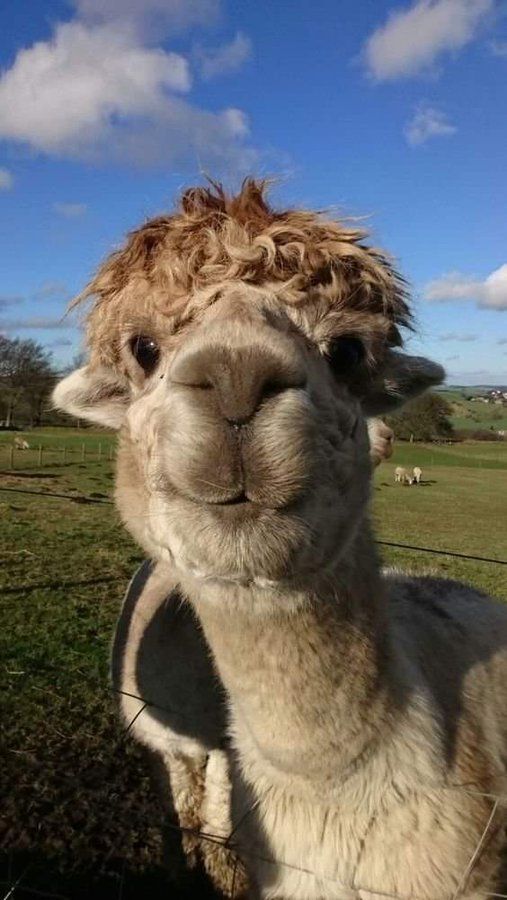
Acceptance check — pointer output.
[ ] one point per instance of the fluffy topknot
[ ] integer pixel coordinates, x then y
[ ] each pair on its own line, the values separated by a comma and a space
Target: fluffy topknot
213, 239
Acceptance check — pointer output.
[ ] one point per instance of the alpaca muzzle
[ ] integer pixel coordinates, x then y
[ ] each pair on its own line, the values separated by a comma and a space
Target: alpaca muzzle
239, 430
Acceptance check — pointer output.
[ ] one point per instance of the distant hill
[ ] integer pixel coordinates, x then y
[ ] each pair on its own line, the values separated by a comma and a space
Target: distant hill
475, 390
470, 412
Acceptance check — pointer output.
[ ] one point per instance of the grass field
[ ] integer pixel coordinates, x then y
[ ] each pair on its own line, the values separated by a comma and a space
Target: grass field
80, 811
469, 415
461, 505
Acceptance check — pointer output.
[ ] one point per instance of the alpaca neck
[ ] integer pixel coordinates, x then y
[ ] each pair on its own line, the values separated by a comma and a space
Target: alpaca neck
311, 672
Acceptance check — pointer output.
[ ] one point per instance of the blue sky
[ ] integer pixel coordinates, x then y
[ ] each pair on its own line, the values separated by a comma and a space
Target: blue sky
391, 111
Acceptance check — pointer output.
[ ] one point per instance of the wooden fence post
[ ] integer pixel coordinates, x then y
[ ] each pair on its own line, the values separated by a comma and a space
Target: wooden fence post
11, 456
83, 451
100, 451
64, 454
40, 456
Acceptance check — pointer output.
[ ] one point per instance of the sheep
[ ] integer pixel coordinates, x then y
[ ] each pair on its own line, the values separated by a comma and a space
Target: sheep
21, 444
401, 476
417, 474
239, 351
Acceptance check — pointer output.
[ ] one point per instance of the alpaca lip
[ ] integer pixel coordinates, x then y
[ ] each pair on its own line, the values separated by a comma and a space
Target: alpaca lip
237, 509
239, 500
238, 506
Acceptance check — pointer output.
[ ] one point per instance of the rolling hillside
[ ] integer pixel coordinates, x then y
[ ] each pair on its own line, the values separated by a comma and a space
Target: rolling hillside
472, 414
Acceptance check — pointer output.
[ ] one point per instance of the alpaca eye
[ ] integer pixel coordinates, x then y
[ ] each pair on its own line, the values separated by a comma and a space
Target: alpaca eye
145, 351
345, 354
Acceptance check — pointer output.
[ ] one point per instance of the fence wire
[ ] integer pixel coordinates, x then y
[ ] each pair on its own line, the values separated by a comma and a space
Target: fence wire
227, 842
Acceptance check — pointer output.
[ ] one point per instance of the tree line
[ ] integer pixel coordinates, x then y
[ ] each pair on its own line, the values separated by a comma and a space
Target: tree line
427, 418
27, 375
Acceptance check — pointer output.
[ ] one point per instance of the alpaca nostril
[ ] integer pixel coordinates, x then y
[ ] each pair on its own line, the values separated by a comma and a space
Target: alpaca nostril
237, 424
270, 389
258, 395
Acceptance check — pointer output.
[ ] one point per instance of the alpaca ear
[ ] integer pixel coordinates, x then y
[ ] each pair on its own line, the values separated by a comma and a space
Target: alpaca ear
95, 394
400, 378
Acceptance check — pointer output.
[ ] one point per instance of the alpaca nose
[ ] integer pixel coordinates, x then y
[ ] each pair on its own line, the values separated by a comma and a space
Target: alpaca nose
239, 379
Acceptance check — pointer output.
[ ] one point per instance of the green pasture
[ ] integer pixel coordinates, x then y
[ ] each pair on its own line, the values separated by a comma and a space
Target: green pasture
461, 505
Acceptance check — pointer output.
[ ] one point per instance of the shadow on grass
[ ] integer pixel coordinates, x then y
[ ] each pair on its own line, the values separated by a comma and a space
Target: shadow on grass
31, 875
74, 498
18, 473
90, 821
55, 585
426, 483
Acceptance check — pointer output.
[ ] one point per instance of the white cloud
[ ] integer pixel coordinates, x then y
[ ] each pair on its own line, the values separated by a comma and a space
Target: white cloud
34, 322
414, 37
225, 59
236, 122
6, 180
60, 342
61, 93
150, 16
427, 122
491, 293
70, 210
50, 290
100, 91
463, 338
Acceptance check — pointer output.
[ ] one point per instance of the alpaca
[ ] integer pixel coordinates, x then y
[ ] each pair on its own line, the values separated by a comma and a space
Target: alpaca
185, 723
239, 351
417, 474
401, 476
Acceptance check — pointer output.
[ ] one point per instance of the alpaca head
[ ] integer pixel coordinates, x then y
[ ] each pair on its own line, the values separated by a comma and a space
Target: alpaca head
239, 350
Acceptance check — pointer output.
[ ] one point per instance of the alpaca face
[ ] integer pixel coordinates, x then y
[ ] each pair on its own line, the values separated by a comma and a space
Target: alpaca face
251, 450
243, 451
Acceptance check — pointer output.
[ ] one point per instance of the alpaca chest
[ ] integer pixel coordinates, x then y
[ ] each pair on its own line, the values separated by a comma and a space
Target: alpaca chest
417, 846
298, 849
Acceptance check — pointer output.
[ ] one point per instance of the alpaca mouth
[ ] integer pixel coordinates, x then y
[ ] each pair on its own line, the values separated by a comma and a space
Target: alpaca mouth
236, 509
240, 500
244, 503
